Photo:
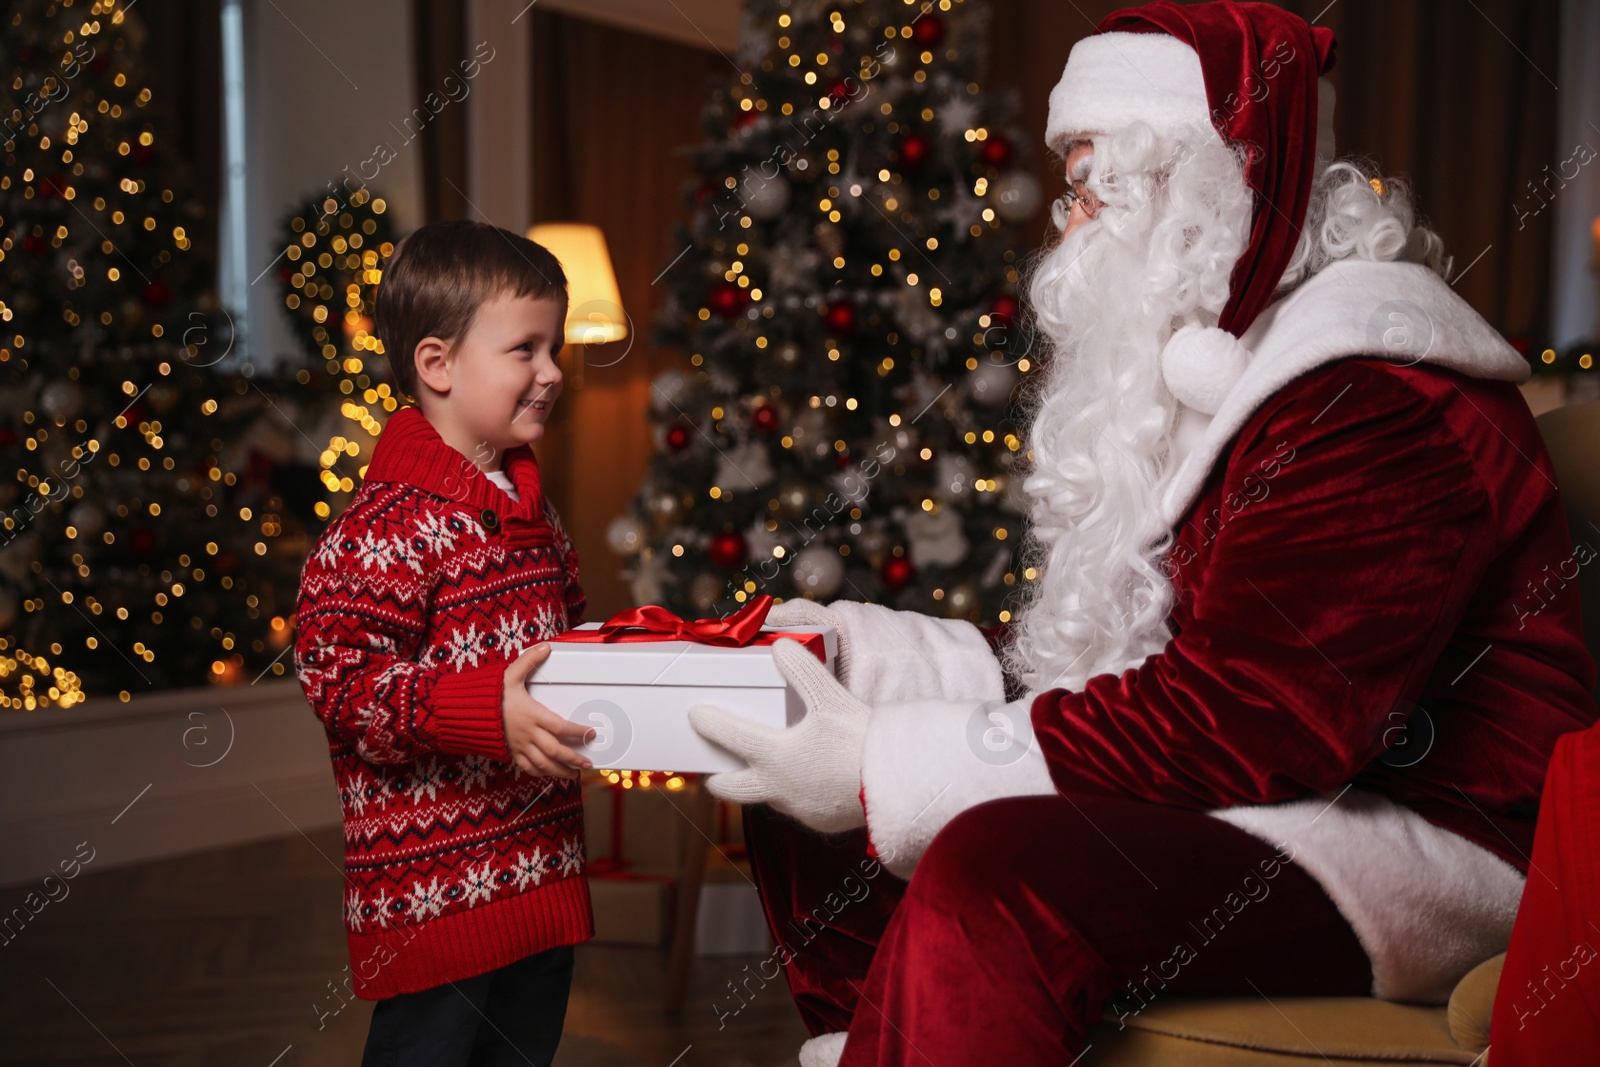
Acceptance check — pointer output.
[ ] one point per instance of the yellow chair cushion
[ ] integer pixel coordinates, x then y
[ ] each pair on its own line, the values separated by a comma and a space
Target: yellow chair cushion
1282, 1033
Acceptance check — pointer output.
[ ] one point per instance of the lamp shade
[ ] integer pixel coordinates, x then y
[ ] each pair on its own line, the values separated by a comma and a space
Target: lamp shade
594, 304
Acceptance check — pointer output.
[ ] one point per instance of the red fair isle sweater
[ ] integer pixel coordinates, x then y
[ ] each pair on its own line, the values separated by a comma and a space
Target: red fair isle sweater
411, 606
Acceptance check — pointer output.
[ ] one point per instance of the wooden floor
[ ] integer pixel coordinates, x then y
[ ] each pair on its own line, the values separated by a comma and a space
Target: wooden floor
228, 958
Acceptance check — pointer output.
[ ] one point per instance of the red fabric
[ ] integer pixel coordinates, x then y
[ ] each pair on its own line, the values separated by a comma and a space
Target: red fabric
652, 622
1547, 1009
1377, 538
411, 606
827, 901
1260, 65
1038, 942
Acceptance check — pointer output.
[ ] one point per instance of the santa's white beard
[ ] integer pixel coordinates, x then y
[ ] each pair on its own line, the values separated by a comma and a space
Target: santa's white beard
1105, 300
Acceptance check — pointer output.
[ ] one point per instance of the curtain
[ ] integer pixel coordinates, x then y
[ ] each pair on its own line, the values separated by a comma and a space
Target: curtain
438, 42
182, 58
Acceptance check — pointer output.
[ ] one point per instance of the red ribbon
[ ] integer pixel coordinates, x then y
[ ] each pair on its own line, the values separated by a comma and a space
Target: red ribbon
655, 623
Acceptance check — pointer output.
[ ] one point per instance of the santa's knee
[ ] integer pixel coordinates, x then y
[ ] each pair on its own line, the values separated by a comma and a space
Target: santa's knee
977, 856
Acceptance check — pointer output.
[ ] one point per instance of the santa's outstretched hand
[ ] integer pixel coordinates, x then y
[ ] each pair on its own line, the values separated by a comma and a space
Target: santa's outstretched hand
811, 771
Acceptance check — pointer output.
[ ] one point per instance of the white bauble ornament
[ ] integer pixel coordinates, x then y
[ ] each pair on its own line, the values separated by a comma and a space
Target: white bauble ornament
1016, 195
991, 383
936, 538
669, 393
626, 535
61, 400
954, 473
787, 355
818, 570
760, 541
744, 467
765, 198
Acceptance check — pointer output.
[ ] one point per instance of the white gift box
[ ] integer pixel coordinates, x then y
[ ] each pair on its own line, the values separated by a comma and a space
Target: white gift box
637, 696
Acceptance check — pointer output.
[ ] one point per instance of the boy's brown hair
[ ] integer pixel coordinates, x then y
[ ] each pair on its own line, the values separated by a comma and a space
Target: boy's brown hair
438, 277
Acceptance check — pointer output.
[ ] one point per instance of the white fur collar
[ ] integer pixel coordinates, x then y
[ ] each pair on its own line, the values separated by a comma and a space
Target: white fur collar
1399, 311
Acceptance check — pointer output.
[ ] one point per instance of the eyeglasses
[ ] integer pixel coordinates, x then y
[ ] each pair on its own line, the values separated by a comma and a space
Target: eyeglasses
1077, 193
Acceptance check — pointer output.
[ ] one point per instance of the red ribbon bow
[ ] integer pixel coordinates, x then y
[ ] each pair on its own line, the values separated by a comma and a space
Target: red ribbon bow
655, 623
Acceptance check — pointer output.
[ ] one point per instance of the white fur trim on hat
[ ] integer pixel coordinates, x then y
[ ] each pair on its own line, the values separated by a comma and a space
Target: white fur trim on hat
1202, 364
1114, 79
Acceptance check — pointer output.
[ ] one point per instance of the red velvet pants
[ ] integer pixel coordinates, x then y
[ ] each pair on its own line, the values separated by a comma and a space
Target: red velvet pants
1030, 919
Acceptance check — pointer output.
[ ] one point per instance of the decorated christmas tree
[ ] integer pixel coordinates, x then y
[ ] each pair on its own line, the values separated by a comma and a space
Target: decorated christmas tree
845, 296
334, 250
145, 541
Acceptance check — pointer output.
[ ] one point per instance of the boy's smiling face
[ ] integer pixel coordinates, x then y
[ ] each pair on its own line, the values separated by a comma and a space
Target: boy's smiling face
494, 387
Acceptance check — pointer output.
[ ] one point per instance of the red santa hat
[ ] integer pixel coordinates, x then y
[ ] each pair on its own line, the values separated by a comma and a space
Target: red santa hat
1249, 71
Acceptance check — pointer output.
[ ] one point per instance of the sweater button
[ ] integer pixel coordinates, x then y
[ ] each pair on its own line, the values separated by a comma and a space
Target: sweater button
489, 518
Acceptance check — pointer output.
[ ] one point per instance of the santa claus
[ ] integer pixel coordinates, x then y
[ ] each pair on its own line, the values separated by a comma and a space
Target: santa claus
1296, 650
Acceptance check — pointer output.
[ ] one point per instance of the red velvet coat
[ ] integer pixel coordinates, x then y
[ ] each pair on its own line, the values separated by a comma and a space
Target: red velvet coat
1375, 586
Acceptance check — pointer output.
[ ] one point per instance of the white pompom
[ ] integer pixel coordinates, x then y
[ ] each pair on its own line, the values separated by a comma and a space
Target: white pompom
1201, 365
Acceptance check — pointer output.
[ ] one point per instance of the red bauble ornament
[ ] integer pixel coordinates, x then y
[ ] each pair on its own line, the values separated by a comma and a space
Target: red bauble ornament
727, 299
841, 459
677, 438
928, 31
841, 318
745, 118
142, 541
996, 151
157, 293
839, 92
764, 418
32, 244
897, 571
914, 150
728, 549
142, 154
1003, 311
227, 563
52, 186
703, 192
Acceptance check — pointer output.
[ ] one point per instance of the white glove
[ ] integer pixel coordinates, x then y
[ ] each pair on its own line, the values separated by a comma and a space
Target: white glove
811, 771
803, 612
886, 655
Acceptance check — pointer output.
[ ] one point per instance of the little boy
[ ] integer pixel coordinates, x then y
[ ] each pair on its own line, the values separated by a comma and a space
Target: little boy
420, 616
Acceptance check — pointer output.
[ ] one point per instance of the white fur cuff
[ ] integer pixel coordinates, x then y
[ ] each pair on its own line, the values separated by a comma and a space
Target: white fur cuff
906, 655
927, 761
1428, 905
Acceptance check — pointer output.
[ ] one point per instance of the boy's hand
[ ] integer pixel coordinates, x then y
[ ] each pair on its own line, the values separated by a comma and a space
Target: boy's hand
533, 732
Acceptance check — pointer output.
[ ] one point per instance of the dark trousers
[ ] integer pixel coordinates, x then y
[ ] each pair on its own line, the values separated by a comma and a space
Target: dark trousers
1031, 919
511, 1016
